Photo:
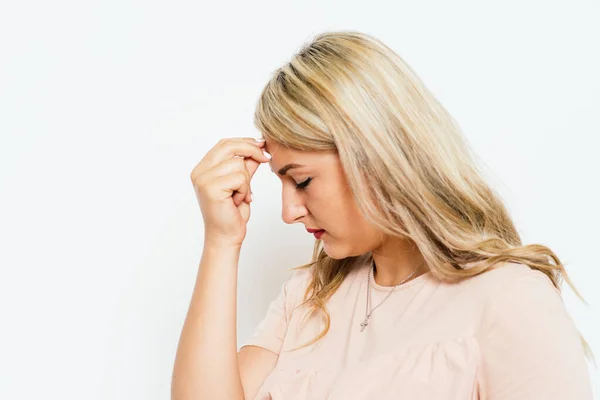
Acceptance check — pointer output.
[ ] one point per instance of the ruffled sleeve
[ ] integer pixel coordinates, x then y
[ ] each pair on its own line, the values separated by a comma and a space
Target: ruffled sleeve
530, 347
270, 332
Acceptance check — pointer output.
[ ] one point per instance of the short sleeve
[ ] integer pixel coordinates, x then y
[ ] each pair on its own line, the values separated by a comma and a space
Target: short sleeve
270, 332
530, 347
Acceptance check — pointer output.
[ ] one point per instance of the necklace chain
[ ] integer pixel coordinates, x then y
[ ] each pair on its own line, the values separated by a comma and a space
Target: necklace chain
367, 312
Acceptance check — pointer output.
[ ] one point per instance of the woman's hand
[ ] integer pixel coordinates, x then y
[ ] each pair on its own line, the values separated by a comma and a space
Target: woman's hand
222, 184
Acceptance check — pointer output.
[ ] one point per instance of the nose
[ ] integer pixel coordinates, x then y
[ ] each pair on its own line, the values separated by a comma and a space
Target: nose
292, 205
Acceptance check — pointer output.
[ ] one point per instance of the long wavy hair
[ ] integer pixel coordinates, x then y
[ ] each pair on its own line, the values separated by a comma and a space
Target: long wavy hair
405, 158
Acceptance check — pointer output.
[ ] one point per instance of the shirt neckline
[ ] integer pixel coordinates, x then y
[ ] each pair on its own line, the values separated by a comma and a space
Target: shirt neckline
404, 286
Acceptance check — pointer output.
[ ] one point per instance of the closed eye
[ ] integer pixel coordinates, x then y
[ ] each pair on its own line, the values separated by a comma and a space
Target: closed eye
302, 185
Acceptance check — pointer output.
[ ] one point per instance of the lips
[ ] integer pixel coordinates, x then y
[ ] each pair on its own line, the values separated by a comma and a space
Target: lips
317, 232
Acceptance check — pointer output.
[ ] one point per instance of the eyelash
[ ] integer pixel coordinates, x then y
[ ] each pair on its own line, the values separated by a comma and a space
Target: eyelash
303, 185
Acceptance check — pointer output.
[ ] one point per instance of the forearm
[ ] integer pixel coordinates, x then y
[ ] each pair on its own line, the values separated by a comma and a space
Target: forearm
206, 364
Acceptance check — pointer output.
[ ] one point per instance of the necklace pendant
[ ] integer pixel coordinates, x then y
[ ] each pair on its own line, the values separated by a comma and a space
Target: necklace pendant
364, 324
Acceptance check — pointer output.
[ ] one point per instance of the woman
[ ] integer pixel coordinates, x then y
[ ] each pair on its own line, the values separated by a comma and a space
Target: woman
419, 287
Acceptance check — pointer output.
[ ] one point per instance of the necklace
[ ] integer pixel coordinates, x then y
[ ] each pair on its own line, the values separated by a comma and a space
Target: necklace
367, 312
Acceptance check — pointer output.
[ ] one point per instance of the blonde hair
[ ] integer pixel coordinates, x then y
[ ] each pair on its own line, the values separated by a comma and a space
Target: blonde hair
406, 161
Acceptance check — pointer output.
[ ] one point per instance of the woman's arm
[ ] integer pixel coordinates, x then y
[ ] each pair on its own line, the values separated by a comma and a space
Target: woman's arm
256, 363
206, 364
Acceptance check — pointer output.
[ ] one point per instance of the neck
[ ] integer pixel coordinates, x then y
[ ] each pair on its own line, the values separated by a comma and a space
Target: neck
396, 259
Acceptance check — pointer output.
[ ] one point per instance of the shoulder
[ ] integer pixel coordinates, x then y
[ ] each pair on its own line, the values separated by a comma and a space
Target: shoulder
295, 286
507, 273
503, 295
512, 291
526, 312
300, 278
515, 285
508, 279
529, 343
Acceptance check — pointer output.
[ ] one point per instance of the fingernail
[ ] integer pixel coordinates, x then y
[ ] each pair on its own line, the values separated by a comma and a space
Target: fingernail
267, 154
259, 139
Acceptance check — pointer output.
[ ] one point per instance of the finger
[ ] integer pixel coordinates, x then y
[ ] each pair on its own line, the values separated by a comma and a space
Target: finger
228, 148
255, 141
236, 182
231, 167
227, 167
260, 141
251, 166
240, 195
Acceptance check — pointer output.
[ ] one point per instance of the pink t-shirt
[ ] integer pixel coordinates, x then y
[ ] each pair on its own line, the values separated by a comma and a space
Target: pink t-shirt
504, 334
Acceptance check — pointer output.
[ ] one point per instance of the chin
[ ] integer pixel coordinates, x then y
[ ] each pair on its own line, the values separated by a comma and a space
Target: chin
332, 251
337, 252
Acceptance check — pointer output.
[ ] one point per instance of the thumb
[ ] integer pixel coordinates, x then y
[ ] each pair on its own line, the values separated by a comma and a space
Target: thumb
251, 166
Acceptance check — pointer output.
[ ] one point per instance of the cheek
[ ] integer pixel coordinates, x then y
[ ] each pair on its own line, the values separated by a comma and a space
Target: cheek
341, 215
333, 207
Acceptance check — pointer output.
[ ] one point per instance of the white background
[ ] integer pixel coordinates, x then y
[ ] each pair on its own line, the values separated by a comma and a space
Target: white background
106, 107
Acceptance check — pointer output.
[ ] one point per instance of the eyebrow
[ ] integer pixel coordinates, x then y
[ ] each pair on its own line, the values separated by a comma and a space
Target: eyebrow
285, 169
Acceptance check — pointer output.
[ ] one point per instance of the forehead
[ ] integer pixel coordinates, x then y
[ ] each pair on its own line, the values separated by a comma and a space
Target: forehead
282, 156
274, 147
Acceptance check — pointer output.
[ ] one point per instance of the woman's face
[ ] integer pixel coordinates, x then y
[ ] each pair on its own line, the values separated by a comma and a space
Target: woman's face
315, 192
